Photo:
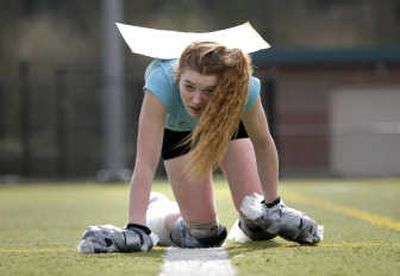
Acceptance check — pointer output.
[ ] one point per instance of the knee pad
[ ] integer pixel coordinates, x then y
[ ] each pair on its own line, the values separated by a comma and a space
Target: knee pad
182, 236
201, 230
159, 208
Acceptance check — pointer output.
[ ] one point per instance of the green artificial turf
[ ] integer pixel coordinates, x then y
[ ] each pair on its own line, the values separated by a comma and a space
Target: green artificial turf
41, 224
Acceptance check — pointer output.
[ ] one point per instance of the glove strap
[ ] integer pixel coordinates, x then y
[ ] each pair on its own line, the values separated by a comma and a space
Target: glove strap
273, 203
132, 226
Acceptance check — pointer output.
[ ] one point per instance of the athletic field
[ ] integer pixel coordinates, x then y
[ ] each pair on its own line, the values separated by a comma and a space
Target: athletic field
41, 224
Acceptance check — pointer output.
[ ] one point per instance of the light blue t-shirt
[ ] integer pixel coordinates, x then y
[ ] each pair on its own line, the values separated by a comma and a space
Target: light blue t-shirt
160, 80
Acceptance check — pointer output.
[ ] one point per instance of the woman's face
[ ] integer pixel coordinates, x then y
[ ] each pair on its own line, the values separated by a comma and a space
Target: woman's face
195, 90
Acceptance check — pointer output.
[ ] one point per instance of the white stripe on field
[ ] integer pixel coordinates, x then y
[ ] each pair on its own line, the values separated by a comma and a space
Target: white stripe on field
197, 262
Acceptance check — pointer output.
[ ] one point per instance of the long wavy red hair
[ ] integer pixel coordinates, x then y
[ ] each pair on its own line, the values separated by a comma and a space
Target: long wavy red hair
221, 116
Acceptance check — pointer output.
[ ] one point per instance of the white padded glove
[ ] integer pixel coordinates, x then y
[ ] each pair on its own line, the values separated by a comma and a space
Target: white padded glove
109, 238
281, 220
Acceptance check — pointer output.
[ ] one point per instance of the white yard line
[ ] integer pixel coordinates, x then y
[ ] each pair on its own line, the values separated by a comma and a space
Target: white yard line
196, 262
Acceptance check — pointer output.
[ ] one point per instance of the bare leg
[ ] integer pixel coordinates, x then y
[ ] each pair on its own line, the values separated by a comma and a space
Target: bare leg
240, 169
194, 197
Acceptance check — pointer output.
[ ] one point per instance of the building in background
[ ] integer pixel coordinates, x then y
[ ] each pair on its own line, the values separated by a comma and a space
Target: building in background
331, 81
335, 112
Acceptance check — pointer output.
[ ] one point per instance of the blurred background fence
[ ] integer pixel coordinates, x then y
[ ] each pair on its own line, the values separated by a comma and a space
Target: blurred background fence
51, 123
331, 82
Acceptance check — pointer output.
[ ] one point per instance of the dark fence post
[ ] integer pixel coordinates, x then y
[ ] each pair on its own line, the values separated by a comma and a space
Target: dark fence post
26, 131
2, 113
61, 127
269, 97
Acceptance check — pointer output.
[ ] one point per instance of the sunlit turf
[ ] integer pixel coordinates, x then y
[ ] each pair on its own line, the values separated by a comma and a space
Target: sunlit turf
41, 224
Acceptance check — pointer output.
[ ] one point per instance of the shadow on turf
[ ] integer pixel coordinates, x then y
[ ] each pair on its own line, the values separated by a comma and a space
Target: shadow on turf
233, 248
240, 248
156, 253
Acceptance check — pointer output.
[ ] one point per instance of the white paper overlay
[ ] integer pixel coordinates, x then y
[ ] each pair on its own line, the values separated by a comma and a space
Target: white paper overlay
167, 44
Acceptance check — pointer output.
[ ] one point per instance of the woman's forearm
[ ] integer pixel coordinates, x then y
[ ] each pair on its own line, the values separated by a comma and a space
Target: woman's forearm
139, 192
268, 167
149, 142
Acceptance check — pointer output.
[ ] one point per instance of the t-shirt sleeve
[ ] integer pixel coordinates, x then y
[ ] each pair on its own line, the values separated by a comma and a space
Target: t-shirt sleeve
158, 82
254, 92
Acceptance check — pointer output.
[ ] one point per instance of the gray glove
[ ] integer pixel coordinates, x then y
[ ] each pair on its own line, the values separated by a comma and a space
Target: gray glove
253, 231
290, 224
284, 221
181, 237
108, 238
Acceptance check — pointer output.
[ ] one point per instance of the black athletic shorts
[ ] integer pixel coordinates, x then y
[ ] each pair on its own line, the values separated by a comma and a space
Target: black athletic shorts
171, 147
